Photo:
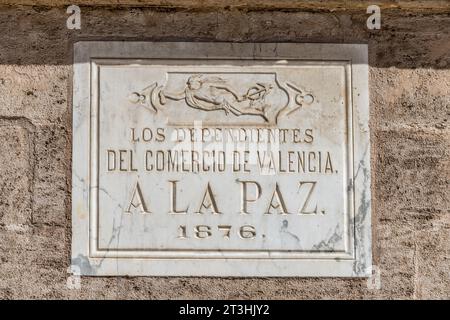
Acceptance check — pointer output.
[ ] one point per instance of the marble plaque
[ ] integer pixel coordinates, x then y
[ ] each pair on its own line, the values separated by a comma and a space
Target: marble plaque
220, 159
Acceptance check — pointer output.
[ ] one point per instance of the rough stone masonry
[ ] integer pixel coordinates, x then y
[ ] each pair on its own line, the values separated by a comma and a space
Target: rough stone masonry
409, 108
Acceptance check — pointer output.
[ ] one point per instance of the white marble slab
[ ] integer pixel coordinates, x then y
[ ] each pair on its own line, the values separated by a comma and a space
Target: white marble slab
221, 159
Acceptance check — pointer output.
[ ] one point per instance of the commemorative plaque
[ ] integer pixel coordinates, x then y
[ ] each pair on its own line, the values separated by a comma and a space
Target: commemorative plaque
220, 159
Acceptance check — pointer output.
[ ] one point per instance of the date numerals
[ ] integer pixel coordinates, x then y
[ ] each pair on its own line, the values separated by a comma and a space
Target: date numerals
226, 231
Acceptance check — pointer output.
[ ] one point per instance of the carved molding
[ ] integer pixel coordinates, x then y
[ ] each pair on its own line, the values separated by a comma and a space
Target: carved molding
212, 93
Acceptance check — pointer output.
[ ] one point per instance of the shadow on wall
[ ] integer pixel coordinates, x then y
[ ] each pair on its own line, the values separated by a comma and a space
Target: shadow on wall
38, 35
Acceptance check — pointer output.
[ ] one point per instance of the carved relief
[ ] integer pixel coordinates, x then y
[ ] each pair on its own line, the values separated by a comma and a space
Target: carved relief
213, 93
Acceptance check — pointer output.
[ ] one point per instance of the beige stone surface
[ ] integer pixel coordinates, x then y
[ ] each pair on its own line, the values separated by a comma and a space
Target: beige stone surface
17, 167
410, 108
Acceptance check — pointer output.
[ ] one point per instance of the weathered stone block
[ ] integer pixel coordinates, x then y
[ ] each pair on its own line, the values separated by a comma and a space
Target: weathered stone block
411, 172
51, 181
411, 98
16, 174
433, 260
37, 92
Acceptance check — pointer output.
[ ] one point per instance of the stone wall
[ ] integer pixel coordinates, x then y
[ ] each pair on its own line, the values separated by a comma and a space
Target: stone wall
410, 106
